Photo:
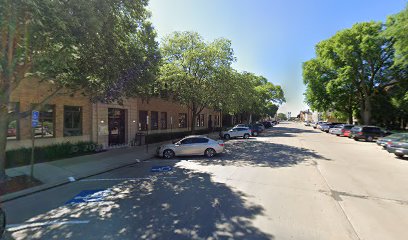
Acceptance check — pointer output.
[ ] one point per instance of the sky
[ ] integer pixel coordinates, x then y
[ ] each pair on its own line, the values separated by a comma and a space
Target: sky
271, 38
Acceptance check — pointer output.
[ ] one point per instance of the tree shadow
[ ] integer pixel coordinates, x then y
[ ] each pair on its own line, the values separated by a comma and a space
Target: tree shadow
285, 132
191, 207
252, 152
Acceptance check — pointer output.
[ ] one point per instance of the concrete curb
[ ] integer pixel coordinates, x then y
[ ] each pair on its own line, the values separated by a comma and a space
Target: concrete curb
44, 187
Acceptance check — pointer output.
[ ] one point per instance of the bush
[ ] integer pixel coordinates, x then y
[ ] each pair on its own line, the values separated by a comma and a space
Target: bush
22, 156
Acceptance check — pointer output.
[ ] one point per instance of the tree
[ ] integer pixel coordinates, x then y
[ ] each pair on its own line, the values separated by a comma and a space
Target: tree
397, 30
106, 49
282, 116
192, 68
353, 65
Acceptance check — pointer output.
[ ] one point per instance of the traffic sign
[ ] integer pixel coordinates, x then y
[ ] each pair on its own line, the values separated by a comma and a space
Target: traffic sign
161, 169
35, 115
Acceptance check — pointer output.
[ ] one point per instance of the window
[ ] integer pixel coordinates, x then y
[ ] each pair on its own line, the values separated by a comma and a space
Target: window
45, 127
163, 120
202, 120
13, 126
142, 120
72, 121
182, 120
154, 121
217, 120
198, 120
200, 140
187, 141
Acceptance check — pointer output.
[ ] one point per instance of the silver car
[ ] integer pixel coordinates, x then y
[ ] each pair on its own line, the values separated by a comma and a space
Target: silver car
235, 132
191, 145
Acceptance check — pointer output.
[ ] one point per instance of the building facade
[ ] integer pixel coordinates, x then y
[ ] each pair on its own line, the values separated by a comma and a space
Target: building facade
73, 118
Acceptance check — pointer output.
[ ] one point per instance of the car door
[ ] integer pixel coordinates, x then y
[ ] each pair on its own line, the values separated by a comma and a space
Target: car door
233, 132
199, 146
184, 147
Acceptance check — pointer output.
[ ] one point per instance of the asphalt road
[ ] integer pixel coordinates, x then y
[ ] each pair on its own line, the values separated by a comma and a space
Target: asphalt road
292, 182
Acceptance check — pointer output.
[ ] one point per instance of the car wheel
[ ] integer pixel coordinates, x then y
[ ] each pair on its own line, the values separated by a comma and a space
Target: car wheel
227, 136
246, 135
369, 139
2, 222
400, 155
168, 154
355, 139
255, 134
209, 152
338, 135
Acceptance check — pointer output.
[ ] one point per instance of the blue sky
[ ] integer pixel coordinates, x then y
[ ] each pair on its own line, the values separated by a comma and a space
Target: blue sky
270, 37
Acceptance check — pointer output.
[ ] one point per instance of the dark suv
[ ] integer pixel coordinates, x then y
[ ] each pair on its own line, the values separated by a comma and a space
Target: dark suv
368, 133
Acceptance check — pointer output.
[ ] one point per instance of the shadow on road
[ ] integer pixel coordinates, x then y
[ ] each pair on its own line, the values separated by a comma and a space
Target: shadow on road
191, 207
285, 132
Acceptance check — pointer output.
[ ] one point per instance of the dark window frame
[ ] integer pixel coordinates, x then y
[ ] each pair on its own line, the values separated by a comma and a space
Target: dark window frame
42, 119
182, 116
154, 121
65, 129
143, 120
163, 120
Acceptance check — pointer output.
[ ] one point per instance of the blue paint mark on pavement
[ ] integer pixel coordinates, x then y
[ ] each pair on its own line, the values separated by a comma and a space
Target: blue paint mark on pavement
88, 196
161, 169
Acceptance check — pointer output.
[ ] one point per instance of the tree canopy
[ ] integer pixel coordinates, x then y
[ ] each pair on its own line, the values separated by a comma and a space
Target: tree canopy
106, 49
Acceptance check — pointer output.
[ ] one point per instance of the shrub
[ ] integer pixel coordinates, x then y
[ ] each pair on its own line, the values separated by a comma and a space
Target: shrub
22, 156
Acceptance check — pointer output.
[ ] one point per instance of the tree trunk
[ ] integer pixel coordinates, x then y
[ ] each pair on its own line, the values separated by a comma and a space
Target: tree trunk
193, 120
350, 116
3, 139
367, 111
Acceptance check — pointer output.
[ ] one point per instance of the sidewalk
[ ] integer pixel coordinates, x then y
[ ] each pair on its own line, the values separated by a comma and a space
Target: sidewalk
56, 173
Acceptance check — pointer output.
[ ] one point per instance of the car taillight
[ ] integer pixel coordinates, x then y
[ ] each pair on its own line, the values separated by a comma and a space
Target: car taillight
343, 130
360, 133
389, 143
221, 144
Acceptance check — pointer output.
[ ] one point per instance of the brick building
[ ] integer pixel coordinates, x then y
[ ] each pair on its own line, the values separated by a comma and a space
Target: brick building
74, 118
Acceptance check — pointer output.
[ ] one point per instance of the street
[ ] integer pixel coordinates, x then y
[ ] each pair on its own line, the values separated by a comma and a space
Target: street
292, 182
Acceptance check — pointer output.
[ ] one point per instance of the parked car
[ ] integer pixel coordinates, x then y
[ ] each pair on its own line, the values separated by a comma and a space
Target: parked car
319, 125
384, 140
235, 132
267, 124
336, 129
345, 130
2, 222
274, 123
241, 125
368, 133
399, 146
307, 123
191, 145
326, 127
255, 130
261, 126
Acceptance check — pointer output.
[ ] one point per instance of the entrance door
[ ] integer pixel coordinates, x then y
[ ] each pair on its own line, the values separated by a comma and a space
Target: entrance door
116, 122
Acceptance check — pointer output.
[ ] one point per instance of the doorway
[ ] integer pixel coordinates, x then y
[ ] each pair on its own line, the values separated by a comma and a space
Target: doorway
116, 123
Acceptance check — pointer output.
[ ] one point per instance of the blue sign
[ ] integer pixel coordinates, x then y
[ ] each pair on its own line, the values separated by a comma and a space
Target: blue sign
35, 115
161, 169
89, 196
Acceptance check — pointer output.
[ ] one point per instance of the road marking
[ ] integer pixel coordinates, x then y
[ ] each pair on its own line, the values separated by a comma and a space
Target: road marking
19, 227
123, 179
